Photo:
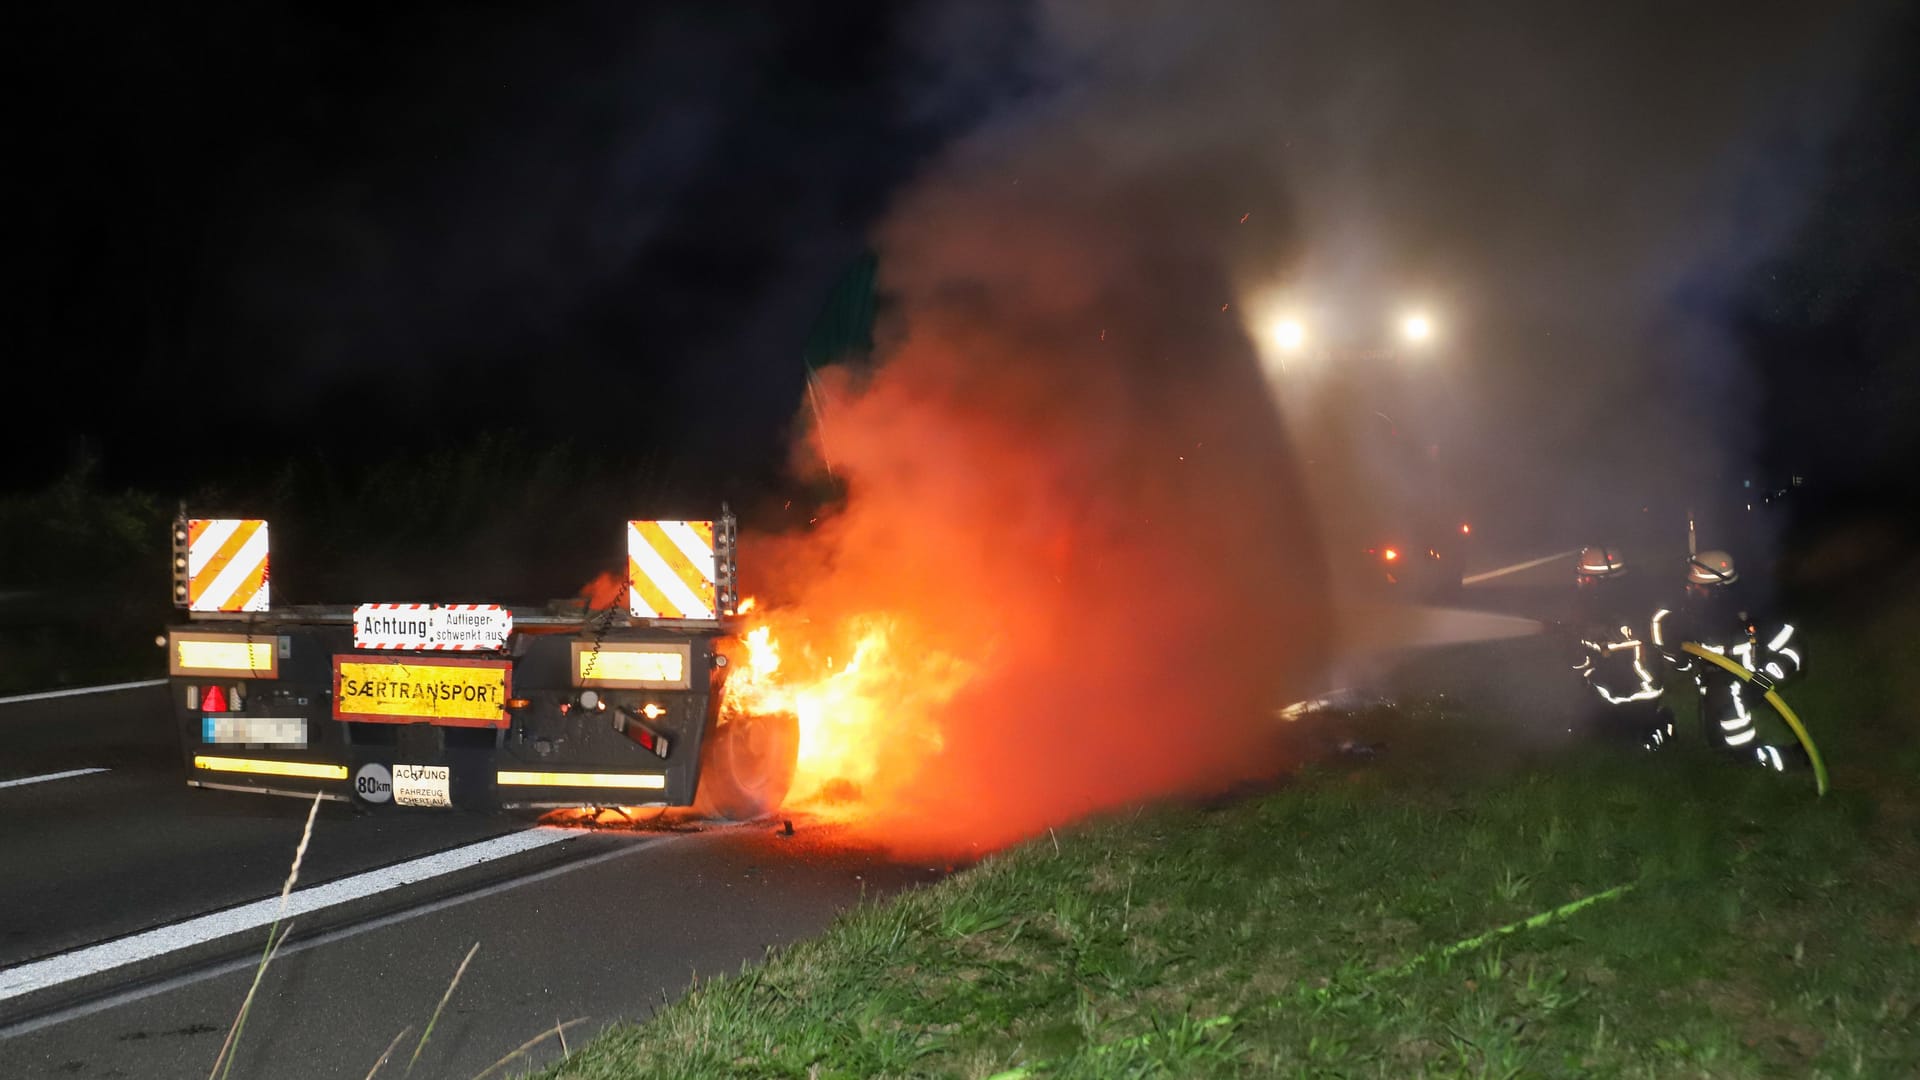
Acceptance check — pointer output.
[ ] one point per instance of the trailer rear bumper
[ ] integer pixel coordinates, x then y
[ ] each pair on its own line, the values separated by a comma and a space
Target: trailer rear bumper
463, 781
551, 742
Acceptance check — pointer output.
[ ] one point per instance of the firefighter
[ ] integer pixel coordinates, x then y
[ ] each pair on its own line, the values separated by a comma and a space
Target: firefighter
1716, 616
1614, 660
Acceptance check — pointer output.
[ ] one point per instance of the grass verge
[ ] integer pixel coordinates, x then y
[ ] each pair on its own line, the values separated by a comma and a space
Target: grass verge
1341, 926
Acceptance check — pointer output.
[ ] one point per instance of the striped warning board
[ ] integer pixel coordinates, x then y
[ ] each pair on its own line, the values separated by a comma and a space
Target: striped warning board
226, 564
671, 569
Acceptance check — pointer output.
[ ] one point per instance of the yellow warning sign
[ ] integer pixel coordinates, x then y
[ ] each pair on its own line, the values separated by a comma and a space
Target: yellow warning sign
672, 569
226, 564
458, 693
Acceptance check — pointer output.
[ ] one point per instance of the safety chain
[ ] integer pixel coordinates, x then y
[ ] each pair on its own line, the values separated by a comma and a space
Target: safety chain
606, 627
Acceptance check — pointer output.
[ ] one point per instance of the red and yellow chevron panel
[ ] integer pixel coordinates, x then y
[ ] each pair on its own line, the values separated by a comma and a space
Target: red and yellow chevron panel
227, 564
671, 569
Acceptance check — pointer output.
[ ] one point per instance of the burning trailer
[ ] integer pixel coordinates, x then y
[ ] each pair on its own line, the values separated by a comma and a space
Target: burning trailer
482, 706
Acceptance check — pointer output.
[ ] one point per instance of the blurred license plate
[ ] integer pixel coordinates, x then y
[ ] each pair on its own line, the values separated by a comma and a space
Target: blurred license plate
253, 730
423, 785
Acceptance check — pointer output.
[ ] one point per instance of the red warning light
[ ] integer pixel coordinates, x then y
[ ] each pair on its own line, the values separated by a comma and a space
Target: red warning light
1466, 529
1390, 554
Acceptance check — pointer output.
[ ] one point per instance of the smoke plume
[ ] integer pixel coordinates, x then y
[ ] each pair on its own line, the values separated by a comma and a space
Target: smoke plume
1069, 500
1074, 514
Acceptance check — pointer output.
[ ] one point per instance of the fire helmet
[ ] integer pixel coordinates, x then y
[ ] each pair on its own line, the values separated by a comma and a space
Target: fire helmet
1600, 562
1711, 568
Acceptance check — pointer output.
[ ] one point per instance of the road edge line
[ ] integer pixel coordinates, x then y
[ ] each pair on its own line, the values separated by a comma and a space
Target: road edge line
48, 695
1475, 579
32, 1023
23, 781
49, 972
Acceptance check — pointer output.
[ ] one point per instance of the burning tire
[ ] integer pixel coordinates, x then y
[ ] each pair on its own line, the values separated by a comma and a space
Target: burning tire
747, 766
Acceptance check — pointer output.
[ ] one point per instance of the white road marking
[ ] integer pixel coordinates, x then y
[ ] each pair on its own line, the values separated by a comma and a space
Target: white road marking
47, 695
44, 777
300, 945
1475, 579
80, 963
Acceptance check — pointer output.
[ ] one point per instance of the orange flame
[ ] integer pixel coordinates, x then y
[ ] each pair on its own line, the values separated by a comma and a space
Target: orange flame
604, 592
1006, 626
860, 716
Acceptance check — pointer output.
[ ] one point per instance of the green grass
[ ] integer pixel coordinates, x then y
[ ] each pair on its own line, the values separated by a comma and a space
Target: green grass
1317, 930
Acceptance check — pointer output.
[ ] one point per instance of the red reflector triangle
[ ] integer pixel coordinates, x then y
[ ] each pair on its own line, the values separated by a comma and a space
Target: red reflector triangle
215, 700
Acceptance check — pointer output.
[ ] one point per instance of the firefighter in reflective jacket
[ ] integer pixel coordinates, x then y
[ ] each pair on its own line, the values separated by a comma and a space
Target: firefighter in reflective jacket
1615, 662
1716, 617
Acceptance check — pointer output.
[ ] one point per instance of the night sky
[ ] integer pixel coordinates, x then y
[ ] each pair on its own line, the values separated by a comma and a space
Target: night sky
364, 235
259, 234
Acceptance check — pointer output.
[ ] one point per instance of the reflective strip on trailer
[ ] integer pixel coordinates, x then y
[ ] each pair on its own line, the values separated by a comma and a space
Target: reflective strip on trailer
672, 569
226, 564
312, 770
517, 778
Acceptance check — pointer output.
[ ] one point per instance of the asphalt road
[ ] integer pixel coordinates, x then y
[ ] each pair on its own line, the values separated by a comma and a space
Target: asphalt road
604, 925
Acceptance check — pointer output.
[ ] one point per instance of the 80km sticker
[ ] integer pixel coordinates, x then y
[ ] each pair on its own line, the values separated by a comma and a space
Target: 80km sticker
374, 783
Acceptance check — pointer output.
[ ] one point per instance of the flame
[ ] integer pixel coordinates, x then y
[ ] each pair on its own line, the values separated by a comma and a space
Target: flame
746, 606
864, 720
604, 592
623, 818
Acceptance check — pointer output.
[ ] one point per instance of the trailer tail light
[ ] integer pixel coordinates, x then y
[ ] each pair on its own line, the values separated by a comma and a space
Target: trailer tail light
632, 665
311, 770
628, 723
193, 652
515, 778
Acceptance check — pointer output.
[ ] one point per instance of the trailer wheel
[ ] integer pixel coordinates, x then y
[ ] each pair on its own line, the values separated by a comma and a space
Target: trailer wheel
747, 766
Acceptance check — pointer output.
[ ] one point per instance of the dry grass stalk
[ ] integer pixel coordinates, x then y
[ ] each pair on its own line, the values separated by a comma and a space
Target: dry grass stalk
388, 1052
275, 938
558, 1029
444, 998
299, 853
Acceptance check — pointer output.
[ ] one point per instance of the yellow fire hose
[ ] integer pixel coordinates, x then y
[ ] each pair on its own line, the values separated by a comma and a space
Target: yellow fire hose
1778, 702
